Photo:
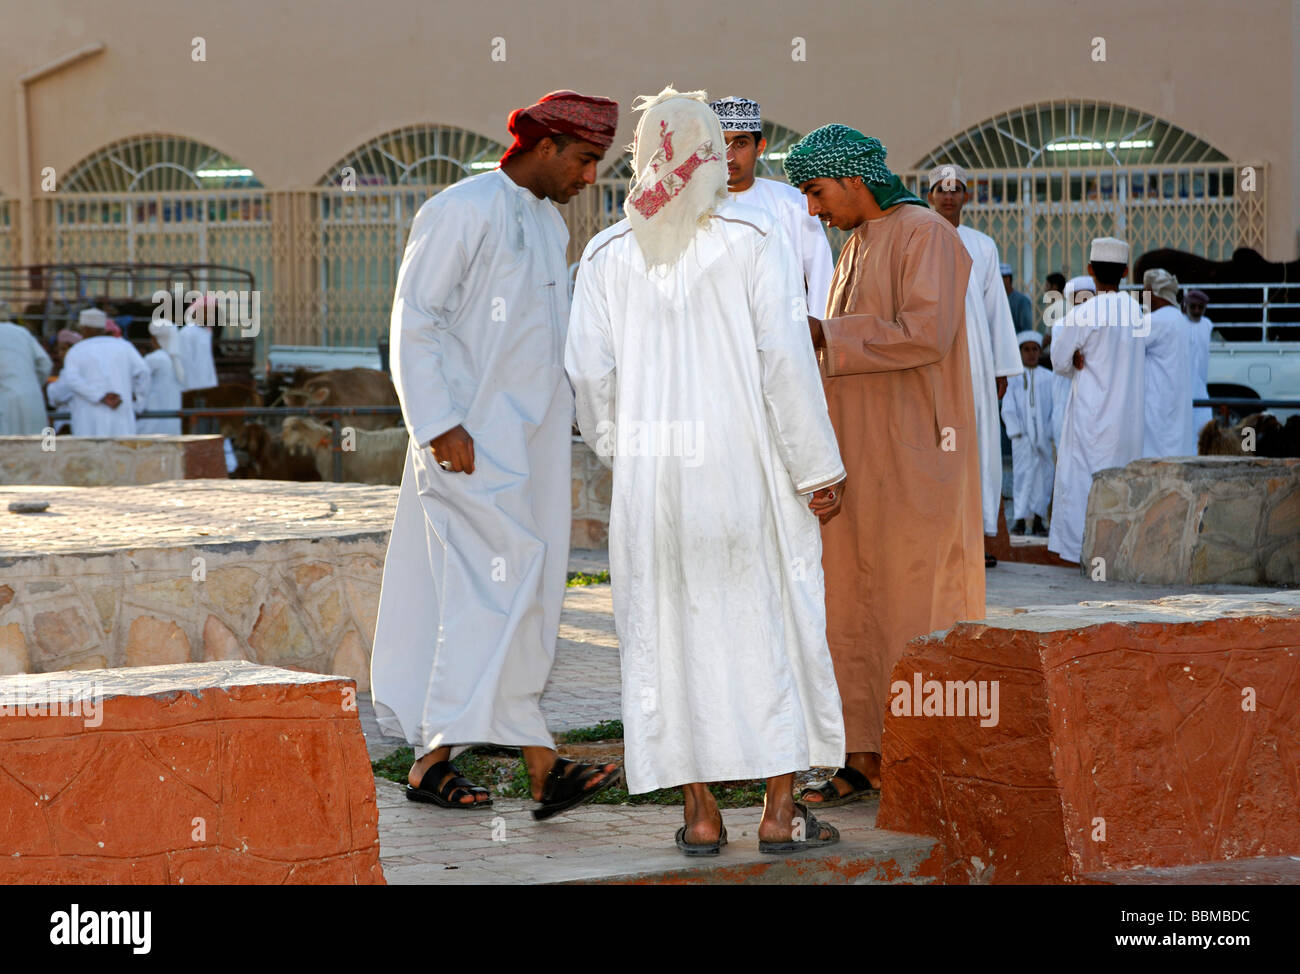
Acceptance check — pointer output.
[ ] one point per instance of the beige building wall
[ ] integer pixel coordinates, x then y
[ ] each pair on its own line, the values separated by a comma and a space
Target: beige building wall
289, 88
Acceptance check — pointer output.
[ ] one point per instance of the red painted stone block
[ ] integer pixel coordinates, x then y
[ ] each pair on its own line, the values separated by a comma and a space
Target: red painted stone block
220, 772
1117, 746
205, 458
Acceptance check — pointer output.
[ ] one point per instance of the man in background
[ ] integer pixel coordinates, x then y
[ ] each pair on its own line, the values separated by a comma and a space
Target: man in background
104, 381
1022, 309
742, 126
24, 367
1199, 329
990, 338
1101, 347
1168, 371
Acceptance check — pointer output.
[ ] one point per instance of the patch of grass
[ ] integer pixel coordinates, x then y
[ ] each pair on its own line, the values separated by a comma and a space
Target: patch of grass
606, 730
503, 773
585, 578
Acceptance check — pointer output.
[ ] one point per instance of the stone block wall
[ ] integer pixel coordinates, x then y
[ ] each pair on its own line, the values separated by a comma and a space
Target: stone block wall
593, 485
1161, 734
104, 461
1196, 521
303, 604
201, 773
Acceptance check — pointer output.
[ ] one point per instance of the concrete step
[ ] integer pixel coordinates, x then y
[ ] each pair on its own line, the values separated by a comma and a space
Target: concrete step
624, 844
1272, 871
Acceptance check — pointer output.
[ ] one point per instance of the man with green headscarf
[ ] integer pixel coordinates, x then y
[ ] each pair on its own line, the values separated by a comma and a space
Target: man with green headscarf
906, 556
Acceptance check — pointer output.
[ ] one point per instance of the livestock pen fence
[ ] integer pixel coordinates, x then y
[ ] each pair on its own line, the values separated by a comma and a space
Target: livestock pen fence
325, 259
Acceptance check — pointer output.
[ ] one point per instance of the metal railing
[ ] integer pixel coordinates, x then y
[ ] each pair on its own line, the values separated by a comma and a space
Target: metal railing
333, 412
326, 258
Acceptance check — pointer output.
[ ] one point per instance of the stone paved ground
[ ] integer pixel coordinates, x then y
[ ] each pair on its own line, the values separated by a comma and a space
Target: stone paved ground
202, 512
423, 844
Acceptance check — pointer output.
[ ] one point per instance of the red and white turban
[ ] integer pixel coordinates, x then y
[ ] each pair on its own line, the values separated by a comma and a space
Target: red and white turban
586, 117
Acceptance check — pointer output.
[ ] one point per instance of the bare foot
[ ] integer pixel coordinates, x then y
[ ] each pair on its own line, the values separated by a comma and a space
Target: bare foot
779, 812
703, 820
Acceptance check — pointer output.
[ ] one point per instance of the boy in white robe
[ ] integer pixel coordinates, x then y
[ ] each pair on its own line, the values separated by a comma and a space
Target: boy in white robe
742, 126
695, 381
474, 579
1027, 413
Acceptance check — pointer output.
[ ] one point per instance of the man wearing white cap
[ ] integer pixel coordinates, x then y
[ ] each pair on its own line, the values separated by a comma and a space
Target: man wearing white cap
24, 366
990, 336
1101, 347
104, 381
1027, 412
742, 126
1168, 370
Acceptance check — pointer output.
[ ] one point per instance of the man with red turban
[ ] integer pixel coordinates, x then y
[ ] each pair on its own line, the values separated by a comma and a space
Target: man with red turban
567, 114
469, 610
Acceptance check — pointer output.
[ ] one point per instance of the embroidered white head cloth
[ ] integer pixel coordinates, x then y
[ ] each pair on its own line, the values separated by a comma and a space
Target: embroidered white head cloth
679, 160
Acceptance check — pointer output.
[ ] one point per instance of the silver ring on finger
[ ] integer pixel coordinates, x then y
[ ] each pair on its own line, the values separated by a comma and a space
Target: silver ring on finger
445, 464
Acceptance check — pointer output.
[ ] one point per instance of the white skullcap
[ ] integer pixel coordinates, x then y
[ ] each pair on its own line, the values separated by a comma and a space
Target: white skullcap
738, 114
1076, 284
1005, 269
92, 318
1109, 250
1029, 336
1161, 283
948, 171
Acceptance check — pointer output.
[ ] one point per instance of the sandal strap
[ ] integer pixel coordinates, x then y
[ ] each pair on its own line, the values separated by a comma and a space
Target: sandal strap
825, 789
812, 828
435, 773
854, 777
563, 780
454, 787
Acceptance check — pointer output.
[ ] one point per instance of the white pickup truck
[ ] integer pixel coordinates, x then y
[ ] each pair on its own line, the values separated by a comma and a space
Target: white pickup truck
1254, 344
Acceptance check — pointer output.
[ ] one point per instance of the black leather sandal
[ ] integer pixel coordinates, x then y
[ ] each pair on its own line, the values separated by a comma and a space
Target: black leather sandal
566, 786
452, 791
812, 834
859, 787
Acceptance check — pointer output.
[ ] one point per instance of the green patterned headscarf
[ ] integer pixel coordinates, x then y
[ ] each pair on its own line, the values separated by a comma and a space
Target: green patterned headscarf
836, 151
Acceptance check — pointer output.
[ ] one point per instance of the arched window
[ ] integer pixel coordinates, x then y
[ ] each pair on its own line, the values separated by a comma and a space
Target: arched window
156, 163
1047, 178
1076, 133
417, 155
